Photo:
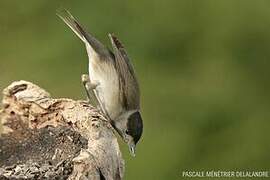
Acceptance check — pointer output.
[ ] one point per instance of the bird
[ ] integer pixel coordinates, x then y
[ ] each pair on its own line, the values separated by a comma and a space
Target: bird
112, 80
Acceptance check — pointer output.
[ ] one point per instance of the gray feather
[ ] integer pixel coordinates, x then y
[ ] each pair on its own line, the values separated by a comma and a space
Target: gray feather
75, 26
129, 87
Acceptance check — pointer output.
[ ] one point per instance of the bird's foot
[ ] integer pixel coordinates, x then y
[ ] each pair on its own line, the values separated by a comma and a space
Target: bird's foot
89, 88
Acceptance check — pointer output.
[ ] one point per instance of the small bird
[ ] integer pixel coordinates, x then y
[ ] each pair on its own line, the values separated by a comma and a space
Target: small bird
113, 82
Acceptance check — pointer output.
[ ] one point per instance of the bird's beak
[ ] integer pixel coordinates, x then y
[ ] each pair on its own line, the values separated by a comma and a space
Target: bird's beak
132, 148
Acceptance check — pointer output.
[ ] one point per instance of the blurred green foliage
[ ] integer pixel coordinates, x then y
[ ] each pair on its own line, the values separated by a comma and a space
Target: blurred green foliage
203, 68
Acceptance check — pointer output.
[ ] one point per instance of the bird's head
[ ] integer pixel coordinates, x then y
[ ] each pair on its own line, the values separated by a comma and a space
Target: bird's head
130, 128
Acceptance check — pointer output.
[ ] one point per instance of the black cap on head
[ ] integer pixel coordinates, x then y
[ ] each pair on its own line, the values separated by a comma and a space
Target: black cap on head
135, 126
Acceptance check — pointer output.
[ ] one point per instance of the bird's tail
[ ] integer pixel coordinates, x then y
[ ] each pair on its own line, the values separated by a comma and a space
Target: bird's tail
72, 23
75, 26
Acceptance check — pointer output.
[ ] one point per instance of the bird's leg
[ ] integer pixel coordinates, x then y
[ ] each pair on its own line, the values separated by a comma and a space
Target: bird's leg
91, 92
89, 88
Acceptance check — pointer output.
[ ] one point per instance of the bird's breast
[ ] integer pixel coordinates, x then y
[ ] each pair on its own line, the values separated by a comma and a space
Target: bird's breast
105, 75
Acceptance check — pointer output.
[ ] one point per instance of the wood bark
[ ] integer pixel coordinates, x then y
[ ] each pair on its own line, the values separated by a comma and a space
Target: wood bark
46, 138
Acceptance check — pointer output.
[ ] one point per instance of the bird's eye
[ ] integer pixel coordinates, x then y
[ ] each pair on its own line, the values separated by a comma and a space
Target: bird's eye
127, 132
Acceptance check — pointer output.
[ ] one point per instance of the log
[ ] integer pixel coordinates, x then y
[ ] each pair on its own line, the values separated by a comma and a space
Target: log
46, 138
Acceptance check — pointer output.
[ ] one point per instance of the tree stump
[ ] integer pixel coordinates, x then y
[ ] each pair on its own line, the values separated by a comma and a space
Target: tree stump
46, 138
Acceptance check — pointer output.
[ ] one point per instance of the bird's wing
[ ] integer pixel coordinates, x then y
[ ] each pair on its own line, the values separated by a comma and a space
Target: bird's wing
87, 38
128, 82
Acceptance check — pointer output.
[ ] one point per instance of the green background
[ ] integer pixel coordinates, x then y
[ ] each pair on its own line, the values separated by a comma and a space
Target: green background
203, 68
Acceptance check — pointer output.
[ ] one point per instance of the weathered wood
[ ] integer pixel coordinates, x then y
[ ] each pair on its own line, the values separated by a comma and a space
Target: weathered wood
45, 138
